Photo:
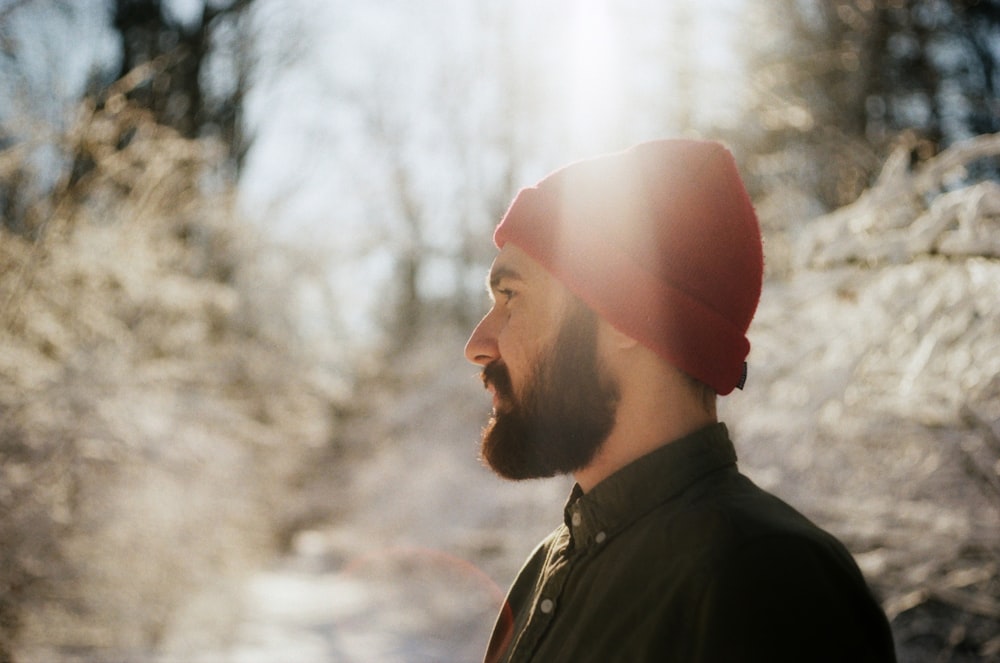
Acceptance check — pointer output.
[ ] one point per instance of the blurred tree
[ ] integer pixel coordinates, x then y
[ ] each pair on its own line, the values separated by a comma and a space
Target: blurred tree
440, 180
840, 82
190, 72
179, 87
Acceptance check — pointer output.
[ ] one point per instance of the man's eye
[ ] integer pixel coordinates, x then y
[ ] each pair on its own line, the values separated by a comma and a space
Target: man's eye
506, 293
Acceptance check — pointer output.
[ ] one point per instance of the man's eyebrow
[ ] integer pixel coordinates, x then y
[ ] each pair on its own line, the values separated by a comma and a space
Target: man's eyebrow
499, 274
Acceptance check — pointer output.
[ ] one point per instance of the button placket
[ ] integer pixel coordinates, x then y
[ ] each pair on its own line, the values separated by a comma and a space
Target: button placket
557, 568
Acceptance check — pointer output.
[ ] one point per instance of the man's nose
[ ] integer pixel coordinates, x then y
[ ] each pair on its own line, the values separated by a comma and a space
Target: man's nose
482, 346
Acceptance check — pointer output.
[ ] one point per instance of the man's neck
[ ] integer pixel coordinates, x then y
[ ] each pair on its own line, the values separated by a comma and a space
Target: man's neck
647, 418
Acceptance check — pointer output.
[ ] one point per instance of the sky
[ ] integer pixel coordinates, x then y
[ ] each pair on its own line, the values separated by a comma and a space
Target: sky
593, 75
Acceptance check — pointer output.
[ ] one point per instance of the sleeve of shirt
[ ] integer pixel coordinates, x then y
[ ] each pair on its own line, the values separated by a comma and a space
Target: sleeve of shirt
787, 598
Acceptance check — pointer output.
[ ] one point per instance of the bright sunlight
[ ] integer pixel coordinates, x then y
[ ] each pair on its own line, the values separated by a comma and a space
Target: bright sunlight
594, 79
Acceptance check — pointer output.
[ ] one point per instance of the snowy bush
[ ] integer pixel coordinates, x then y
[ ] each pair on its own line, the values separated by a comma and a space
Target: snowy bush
149, 430
874, 390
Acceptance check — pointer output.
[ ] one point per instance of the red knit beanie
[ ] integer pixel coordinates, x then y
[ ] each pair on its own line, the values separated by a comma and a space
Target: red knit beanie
662, 241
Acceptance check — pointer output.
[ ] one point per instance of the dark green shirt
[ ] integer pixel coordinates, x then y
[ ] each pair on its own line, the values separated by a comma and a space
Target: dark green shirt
679, 557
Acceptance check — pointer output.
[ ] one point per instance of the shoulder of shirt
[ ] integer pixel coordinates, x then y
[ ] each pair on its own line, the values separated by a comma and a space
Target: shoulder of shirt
723, 519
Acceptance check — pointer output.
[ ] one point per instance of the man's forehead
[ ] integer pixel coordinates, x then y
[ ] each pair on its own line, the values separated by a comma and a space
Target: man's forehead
511, 257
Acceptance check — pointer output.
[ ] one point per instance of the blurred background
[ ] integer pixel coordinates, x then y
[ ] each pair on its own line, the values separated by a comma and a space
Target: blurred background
242, 243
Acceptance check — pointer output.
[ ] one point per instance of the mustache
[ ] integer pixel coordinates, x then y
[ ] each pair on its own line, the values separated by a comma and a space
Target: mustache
496, 374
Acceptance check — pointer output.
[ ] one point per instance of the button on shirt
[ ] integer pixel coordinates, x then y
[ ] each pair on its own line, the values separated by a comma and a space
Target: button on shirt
679, 557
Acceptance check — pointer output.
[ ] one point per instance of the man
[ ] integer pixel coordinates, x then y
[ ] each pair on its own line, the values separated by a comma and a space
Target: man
622, 294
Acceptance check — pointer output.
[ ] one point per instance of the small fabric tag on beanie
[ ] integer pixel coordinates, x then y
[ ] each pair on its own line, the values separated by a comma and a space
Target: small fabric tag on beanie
743, 377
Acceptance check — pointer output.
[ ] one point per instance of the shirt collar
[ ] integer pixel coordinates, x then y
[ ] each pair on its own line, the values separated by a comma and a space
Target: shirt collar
644, 484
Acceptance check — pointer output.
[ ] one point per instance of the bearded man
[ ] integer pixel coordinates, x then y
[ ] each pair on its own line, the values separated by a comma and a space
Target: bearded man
622, 295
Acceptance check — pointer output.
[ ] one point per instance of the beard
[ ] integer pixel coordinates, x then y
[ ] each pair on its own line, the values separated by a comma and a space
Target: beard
567, 410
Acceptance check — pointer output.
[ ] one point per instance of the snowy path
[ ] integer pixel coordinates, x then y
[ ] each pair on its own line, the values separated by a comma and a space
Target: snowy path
417, 571
398, 606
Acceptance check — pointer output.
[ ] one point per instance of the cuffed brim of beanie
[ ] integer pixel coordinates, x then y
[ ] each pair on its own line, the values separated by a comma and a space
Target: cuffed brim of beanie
675, 326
